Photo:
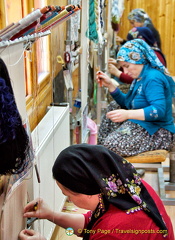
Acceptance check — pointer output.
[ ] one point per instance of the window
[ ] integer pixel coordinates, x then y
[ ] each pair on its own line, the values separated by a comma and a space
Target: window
42, 50
36, 58
42, 55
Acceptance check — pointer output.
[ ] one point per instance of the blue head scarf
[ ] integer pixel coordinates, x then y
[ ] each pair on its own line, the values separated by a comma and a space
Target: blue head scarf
137, 51
143, 33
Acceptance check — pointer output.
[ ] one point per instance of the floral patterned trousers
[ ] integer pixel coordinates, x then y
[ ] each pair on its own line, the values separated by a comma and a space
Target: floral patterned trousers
129, 139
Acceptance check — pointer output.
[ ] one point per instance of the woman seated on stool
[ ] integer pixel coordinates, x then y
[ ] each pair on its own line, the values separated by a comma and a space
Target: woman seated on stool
120, 204
140, 120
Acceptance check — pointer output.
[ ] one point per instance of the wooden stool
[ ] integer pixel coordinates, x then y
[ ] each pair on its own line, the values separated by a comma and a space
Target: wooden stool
153, 160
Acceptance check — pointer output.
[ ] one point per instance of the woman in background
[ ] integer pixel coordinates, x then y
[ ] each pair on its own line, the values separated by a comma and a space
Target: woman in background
141, 33
146, 34
140, 120
139, 18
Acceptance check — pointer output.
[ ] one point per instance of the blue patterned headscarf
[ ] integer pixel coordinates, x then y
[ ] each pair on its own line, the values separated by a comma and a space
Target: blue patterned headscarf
137, 51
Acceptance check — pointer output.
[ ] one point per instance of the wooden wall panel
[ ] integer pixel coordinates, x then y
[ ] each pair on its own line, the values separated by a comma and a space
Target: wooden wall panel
11, 8
163, 16
2, 15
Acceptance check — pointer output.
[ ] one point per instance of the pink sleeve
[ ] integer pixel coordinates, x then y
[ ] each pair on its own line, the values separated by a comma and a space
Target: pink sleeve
125, 78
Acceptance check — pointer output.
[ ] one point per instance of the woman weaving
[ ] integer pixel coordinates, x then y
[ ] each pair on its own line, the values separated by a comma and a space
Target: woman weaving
140, 120
120, 204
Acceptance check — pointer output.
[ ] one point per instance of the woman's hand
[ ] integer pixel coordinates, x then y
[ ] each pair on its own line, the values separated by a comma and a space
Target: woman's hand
37, 208
118, 115
114, 70
112, 61
119, 39
104, 80
27, 234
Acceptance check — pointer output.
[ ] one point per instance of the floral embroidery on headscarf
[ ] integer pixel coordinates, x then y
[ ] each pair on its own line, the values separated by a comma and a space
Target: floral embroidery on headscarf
134, 33
134, 190
115, 186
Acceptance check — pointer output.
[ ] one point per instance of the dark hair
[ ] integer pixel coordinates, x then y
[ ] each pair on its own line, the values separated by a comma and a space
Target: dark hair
14, 140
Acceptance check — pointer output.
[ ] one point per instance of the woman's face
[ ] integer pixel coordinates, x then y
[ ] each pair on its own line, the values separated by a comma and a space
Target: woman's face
136, 24
132, 70
88, 202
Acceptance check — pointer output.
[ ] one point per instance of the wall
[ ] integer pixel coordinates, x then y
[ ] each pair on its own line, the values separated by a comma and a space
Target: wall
36, 106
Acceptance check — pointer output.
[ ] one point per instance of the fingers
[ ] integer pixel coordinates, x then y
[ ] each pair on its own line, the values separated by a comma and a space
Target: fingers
25, 234
32, 208
99, 79
101, 74
28, 232
33, 205
111, 66
111, 60
115, 114
118, 115
103, 79
119, 39
31, 214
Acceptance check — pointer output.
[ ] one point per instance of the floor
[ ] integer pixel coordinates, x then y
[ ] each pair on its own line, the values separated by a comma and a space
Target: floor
150, 177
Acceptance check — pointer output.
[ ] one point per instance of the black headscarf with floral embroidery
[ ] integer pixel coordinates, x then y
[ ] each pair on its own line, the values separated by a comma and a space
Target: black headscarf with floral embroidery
94, 169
